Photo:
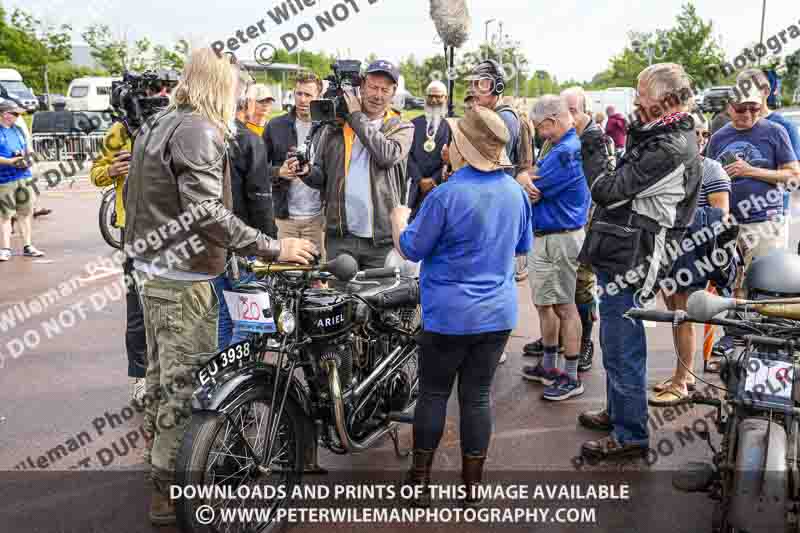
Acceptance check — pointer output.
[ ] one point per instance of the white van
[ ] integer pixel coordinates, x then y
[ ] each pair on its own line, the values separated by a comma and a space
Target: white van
90, 94
620, 97
12, 86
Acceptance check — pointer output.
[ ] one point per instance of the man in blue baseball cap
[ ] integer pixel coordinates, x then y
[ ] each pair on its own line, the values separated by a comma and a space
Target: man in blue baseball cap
360, 167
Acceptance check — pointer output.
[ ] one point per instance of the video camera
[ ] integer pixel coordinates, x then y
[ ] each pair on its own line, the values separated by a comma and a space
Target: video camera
130, 98
332, 106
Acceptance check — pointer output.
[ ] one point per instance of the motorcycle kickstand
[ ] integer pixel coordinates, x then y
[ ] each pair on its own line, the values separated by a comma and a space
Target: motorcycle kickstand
394, 434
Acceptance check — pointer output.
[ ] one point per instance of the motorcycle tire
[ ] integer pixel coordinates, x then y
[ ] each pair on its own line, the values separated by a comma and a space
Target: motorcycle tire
107, 218
209, 435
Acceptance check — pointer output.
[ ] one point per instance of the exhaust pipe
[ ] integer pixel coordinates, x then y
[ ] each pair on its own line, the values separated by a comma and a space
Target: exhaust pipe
339, 415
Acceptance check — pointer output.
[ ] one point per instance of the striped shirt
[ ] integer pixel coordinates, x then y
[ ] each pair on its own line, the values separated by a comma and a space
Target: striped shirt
715, 179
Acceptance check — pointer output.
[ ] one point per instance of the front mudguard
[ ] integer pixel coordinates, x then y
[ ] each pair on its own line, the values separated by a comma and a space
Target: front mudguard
761, 483
221, 394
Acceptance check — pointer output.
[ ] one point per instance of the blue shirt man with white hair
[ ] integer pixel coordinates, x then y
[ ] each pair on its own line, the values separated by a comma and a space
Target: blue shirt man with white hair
431, 134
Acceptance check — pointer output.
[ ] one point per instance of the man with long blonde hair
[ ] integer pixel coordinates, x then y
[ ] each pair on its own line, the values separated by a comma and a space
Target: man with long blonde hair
178, 226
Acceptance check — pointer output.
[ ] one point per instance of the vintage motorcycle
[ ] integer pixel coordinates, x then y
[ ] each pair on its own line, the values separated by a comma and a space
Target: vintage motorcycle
329, 367
754, 477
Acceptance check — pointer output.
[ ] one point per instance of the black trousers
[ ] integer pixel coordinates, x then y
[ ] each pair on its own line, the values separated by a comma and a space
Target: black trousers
471, 358
135, 340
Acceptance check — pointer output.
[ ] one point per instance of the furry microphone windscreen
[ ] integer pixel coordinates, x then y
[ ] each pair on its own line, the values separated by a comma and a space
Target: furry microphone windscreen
452, 21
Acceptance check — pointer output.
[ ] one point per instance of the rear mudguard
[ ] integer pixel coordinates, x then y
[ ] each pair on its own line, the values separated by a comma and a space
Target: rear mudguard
761, 482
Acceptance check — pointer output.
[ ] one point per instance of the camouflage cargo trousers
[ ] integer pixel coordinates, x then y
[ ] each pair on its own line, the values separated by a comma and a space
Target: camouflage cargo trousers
182, 327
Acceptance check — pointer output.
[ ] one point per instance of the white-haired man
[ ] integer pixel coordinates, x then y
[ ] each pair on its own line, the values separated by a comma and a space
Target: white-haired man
597, 157
431, 134
561, 199
641, 206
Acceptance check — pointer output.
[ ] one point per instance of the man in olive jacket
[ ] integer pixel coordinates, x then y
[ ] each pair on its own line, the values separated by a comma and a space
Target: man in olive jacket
360, 167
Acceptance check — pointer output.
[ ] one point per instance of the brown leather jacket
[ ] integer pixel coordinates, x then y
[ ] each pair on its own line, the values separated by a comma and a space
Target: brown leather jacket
179, 198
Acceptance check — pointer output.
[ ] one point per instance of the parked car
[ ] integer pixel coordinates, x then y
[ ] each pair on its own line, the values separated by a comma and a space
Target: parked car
13, 88
793, 114
415, 102
90, 94
717, 98
59, 102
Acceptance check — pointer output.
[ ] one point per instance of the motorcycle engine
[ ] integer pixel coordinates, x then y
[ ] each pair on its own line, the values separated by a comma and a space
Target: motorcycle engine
340, 351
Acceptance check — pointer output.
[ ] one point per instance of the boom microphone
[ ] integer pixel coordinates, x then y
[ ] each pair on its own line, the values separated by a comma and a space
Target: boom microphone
452, 21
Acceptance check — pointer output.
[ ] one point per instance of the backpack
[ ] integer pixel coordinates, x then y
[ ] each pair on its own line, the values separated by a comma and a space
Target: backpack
522, 154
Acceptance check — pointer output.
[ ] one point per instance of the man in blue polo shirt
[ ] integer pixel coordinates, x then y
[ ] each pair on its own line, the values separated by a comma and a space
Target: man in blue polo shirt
16, 191
561, 196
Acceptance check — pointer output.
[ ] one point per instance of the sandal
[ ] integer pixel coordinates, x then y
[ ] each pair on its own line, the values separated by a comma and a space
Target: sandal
664, 385
672, 395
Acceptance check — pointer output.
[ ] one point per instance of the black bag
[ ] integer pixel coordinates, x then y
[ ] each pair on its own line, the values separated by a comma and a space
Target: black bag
612, 247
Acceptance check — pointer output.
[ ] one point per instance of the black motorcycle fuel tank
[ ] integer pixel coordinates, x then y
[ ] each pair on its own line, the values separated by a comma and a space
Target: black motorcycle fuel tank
325, 313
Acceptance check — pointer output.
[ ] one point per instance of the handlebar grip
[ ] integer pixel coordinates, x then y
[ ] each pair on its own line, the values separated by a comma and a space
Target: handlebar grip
374, 273
653, 315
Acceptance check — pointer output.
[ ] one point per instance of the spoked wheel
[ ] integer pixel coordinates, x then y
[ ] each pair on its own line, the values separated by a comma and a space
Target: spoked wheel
108, 219
219, 454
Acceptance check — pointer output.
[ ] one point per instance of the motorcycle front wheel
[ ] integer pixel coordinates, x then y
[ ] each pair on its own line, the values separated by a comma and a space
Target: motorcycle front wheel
217, 455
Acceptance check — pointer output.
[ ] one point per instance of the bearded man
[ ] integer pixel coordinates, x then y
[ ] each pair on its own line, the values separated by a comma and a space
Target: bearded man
431, 134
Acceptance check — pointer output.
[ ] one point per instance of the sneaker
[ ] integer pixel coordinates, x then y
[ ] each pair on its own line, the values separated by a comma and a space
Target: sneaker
585, 357
536, 349
538, 373
5, 254
562, 388
137, 388
31, 251
502, 358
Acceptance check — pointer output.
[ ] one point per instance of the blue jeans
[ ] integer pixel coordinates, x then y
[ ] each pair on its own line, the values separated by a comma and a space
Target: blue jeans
471, 358
227, 334
624, 346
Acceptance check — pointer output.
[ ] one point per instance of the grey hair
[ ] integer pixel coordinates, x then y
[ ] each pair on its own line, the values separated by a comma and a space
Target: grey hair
581, 95
548, 106
668, 82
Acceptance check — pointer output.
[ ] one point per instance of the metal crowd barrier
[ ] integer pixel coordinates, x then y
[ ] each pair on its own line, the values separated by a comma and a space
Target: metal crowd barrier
67, 147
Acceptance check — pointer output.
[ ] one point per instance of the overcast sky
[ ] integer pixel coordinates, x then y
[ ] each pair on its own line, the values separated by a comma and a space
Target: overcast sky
570, 38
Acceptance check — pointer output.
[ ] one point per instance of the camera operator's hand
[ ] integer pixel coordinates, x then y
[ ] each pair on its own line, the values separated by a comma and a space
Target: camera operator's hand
353, 101
19, 162
288, 170
120, 164
297, 251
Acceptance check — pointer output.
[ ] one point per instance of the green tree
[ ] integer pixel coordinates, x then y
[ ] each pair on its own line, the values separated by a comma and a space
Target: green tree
692, 44
29, 46
109, 52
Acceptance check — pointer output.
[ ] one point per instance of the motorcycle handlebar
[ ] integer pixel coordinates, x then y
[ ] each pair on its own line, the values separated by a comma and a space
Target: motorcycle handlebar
375, 273
653, 315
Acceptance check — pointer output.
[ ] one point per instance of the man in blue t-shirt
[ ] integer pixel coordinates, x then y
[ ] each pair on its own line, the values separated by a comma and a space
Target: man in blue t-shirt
758, 156
561, 196
16, 190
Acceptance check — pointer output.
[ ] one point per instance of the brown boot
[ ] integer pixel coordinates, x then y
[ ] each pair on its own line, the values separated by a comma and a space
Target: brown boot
420, 474
162, 508
471, 475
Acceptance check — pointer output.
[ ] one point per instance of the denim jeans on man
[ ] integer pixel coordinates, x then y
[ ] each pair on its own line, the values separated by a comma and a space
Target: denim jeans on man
624, 348
473, 358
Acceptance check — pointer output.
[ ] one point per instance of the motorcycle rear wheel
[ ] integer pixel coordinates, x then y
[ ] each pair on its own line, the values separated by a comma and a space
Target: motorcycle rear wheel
213, 454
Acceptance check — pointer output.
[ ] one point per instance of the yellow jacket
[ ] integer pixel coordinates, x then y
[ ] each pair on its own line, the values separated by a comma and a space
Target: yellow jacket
116, 140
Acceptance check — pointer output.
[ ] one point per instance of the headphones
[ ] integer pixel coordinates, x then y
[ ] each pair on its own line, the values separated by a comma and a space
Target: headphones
496, 73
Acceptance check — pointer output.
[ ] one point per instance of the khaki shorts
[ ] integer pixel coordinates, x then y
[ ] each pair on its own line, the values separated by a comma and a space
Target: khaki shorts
756, 240
312, 229
17, 198
553, 267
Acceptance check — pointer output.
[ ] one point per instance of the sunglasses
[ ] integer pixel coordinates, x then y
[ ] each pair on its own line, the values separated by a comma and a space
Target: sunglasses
747, 108
14, 114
